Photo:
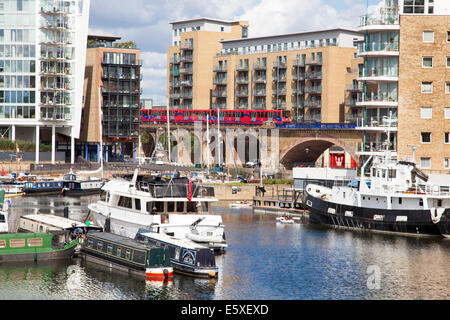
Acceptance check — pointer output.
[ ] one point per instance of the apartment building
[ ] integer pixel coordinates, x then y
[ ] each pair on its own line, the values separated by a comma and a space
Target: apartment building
112, 91
404, 80
42, 56
305, 74
190, 59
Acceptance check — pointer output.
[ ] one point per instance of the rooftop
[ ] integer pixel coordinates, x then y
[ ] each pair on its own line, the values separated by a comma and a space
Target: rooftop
205, 19
355, 32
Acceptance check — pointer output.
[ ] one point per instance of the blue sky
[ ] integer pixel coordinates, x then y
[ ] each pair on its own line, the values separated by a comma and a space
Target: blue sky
147, 23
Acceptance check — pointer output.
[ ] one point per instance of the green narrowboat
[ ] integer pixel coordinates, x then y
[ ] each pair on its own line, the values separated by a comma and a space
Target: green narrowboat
36, 246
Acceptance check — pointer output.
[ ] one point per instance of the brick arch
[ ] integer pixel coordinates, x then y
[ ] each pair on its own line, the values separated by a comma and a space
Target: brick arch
296, 149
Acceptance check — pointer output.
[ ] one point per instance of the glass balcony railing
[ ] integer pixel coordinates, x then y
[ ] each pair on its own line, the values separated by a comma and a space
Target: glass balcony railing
376, 122
379, 47
387, 16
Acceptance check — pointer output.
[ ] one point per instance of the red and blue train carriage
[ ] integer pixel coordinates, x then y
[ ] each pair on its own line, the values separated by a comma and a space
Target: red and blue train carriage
227, 117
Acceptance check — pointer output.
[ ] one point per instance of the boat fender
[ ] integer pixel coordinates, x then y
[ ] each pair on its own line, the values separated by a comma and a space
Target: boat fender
212, 274
436, 214
166, 273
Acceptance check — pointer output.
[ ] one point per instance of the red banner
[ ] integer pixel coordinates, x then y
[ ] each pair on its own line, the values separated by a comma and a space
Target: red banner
337, 160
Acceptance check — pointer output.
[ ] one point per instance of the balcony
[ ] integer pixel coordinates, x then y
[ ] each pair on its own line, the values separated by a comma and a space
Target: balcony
298, 91
279, 106
353, 88
186, 83
174, 72
259, 66
175, 96
242, 80
298, 63
352, 118
313, 104
186, 59
186, 71
350, 102
373, 74
242, 68
377, 100
186, 95
313, 75
279, 92
387, 19
242, 93
279, 78
219, 68
259, 93
259, 79
299, 77
219, 105
220, 81
219, 93
374, 148
175, 60
314, 62
376, 123
260, 106
242, 106
379, 48
279, 65
187, 46
312, 118
313, 90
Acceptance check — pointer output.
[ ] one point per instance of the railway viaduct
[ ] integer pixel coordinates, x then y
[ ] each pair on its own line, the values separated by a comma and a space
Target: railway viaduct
277, 146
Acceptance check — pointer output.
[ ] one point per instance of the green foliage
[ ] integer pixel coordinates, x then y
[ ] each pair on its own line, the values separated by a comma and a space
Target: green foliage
125, 45
24, 146
278, 181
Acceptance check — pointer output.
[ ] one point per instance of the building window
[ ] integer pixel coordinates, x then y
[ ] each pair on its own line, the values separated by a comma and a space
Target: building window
447, 87
448, 36
448, 62
427, 62
428, 36
447, 137
425, 163
222, 29
446, 113
425, 137
446, 163
426, 113
427, 87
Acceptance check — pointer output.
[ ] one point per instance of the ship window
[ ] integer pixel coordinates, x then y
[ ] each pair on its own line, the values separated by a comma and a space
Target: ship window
90, 242
100, 246
399, 200
191, 207
159, 207
17, 243
35, 242
170, 206
2, 243
119, 252
421, 202
124, 202
180, 206
439, 203
137, 204
128, 254
392, 173
109, 249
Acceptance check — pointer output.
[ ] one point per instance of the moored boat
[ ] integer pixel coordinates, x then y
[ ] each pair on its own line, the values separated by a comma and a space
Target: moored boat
395, 197
187, 257
34, 186
125, 254
241, 204
36, 246
4, 213
48, 222
285, 220
73, 186
173, 205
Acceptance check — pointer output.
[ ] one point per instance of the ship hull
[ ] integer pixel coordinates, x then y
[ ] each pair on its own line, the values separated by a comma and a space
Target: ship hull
412, 222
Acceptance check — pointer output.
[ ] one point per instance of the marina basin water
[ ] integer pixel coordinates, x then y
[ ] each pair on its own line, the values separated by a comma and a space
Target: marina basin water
264, 260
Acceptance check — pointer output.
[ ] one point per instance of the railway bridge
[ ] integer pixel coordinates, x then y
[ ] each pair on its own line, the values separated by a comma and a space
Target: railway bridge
277, 146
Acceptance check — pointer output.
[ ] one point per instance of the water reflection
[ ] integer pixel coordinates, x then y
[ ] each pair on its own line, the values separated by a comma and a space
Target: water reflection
265, 260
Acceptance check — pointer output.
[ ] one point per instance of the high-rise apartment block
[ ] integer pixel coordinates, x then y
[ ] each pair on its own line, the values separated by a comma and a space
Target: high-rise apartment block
213, 64
405, 84
113, 86
42, 55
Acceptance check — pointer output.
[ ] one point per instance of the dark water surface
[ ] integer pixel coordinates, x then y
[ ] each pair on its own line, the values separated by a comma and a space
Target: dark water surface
265, 260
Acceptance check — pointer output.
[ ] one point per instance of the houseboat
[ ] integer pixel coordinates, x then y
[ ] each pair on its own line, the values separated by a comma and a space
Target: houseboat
34, 186
75, 187
125, 254
176, 206
187, 257
36, 246
48, 222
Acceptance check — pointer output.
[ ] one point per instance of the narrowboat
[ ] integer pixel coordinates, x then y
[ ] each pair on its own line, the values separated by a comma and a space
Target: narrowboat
125, 254
42, 187
74, 186
4, 212
187, 257
48, 222
36, 246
